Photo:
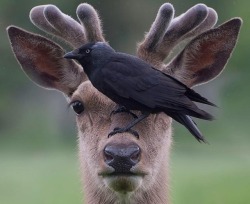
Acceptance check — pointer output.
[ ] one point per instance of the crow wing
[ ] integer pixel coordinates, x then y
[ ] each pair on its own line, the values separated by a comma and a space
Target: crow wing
132, 78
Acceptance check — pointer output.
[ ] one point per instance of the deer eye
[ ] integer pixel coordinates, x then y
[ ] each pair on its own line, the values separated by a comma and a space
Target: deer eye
87, 51
77, 106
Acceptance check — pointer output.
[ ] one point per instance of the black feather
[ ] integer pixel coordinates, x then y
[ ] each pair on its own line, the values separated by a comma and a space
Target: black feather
192, 95
189, 124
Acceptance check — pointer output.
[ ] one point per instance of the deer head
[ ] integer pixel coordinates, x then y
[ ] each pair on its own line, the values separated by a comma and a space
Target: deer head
142, 164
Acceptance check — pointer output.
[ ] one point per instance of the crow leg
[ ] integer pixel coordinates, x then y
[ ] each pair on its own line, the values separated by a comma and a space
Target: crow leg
123, 109
130, 125
137, 120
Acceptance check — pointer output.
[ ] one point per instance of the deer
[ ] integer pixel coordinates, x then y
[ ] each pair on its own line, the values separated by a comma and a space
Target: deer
123, 169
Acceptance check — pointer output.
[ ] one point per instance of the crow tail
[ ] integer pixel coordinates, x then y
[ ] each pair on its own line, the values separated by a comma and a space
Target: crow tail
192, 95
190, 125
198, 113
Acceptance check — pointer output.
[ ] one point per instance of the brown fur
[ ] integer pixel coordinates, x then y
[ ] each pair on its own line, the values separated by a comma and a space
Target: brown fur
42, 60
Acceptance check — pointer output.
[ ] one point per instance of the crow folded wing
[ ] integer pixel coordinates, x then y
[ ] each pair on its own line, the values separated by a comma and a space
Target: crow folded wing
145, 85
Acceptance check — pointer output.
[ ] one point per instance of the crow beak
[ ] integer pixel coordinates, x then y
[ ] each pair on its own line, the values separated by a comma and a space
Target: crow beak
72, 55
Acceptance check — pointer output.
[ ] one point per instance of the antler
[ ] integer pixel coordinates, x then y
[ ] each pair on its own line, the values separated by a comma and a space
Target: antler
51, 20
207, 53
42, 59
166, 32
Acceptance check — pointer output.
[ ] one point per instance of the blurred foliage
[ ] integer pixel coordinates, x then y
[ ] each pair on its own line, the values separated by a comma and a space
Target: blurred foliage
37, 131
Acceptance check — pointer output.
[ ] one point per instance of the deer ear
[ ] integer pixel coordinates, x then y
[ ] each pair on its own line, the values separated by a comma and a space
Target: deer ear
42, 60
206, 55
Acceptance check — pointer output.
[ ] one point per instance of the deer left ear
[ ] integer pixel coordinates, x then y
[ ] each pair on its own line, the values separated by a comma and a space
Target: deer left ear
42, 60
206, 55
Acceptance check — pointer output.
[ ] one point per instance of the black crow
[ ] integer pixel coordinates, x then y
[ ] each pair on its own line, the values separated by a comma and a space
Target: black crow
135, 85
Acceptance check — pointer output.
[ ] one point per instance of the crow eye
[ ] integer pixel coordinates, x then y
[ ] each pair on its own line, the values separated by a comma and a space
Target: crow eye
87, 51
78, 107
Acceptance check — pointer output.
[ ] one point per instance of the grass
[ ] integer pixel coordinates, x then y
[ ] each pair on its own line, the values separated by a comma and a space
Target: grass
211, 178
202, 174
42, 177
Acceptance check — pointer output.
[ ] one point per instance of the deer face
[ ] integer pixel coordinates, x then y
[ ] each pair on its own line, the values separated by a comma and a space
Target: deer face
123, 164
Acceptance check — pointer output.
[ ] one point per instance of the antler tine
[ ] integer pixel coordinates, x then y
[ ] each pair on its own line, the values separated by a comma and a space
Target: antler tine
159, 27
39, 20
91, 21
207, 24
51, 20
146, 49
181, 26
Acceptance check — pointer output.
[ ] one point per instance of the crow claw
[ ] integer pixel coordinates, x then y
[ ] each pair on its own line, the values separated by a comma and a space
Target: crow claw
122, 130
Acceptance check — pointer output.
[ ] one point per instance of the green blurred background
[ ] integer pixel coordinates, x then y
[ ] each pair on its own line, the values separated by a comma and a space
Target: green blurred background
38, 148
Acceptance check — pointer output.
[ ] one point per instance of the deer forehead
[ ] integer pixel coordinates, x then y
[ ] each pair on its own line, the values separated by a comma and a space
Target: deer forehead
93, 99
99, 107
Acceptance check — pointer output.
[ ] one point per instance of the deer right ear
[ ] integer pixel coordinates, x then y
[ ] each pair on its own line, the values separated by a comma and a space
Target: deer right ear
205, 56
42, 60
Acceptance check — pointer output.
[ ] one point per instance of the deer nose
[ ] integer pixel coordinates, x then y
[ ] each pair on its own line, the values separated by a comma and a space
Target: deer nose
122, 157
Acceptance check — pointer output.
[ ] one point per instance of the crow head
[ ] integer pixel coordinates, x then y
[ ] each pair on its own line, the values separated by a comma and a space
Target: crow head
82, 53
91, 55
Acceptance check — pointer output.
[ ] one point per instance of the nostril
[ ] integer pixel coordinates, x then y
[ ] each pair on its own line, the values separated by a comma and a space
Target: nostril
135, 156
108, 156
